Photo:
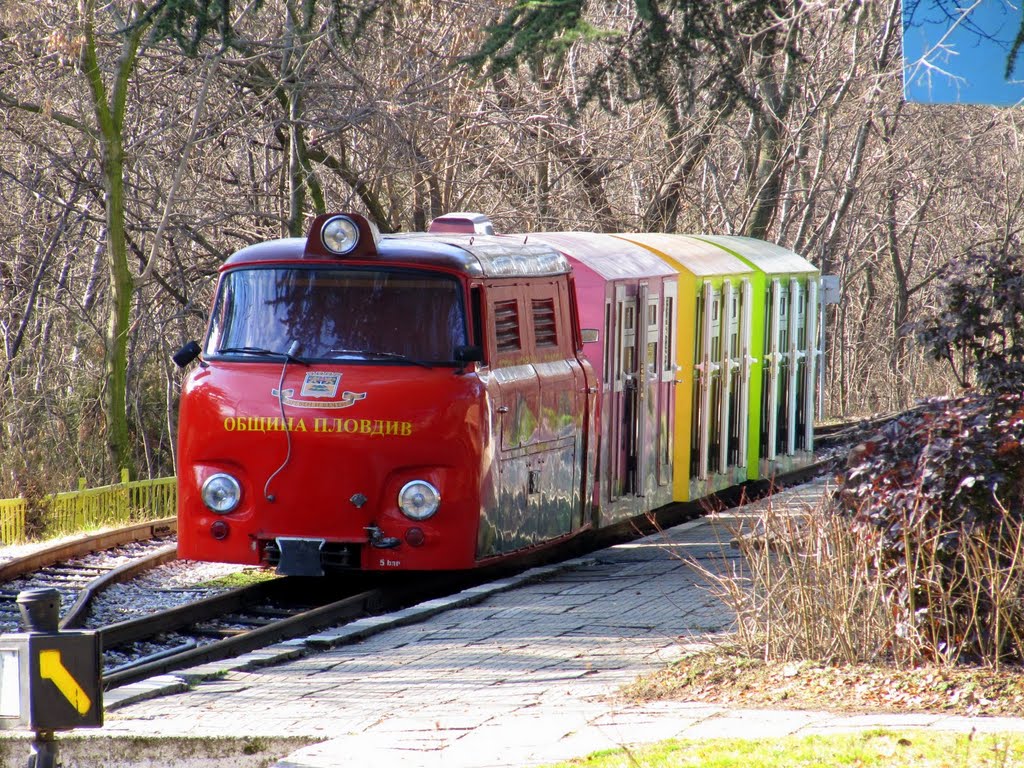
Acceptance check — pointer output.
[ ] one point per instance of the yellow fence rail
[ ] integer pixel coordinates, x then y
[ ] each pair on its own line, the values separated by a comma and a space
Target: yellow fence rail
60, 514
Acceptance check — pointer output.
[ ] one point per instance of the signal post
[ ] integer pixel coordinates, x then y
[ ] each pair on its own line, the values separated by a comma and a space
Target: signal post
49, 680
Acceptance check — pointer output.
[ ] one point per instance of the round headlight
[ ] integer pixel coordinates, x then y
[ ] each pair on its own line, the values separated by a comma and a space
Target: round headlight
340, 234
418, 500
221, 493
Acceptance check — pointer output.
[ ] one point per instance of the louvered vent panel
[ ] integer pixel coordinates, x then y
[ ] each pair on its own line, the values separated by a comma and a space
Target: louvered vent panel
506, 322
544, 322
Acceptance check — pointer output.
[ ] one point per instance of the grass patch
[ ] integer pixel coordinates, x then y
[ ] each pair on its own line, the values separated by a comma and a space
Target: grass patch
922, 749
243, 578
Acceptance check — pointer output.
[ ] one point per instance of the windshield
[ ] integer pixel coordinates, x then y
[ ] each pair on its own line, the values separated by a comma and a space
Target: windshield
377, 314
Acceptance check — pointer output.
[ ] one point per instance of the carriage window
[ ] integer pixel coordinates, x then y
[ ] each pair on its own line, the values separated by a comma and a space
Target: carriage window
506, 325
627, 360
338, 314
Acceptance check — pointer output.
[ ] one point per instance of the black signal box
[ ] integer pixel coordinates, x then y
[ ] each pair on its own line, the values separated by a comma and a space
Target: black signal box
50, 681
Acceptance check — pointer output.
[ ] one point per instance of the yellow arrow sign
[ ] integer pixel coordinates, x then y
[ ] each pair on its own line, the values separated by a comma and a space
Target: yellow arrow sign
52, 668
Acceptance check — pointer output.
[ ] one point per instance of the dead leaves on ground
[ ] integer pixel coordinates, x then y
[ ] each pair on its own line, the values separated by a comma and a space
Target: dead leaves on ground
738, 681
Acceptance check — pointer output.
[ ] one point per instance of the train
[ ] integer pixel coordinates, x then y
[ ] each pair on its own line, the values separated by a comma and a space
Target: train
448, 399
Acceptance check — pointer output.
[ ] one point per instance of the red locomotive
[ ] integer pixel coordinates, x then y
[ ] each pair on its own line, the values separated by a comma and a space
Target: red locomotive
386, 403
427, 401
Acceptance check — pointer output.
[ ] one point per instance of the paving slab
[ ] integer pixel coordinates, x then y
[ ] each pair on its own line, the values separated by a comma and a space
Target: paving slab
521, 673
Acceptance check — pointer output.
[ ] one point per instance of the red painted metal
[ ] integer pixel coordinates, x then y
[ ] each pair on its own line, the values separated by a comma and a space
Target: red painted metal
412, 424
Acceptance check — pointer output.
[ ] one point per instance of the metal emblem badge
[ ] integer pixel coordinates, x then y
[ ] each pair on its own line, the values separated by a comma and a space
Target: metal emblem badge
320, 385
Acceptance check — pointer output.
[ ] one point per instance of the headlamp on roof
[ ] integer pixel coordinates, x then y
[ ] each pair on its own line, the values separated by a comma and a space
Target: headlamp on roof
340, 234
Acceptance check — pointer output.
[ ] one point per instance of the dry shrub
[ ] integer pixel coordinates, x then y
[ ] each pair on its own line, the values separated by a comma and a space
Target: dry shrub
918, 557
939, 494
806, 589
957, 593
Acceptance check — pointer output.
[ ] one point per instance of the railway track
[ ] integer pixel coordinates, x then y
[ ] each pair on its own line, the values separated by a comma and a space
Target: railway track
214, 627
86, 545
852, 430
82, 569
245, 619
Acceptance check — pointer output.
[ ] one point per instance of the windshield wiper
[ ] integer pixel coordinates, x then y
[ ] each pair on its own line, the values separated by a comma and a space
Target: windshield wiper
380, 354
261, 352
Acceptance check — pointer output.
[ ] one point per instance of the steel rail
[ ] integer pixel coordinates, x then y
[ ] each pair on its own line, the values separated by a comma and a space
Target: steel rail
369, 602
837, 431
75, 617
179, 617
86, 545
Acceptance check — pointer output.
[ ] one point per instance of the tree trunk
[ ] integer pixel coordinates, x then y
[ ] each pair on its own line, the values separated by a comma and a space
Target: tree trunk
109, 110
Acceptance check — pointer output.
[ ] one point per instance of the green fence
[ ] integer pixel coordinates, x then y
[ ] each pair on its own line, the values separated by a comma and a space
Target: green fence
60, 514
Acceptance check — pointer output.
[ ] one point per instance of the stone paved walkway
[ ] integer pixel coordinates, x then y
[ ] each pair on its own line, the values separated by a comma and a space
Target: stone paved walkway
519, 673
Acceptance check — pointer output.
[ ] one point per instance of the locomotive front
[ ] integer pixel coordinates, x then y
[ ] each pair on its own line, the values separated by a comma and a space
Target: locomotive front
334, 421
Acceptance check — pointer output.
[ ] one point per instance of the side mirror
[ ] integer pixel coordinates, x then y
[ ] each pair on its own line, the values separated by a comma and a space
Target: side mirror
186, 354
469, 353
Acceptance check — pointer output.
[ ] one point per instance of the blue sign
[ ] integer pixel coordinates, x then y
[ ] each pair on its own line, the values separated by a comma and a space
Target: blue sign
957, 52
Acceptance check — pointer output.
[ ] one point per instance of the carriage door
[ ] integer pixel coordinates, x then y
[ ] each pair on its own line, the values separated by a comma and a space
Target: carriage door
746, 362
623, 448
797, 367
649, 405
773, 358
811, 371
706, 432
666, 412
733, 411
